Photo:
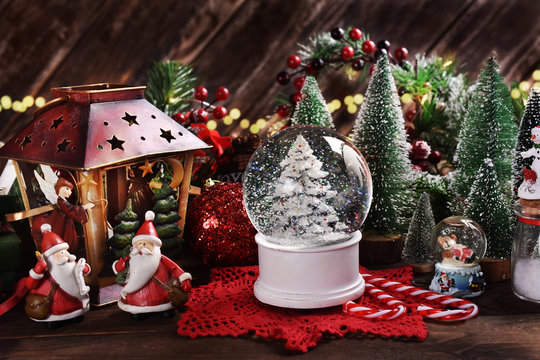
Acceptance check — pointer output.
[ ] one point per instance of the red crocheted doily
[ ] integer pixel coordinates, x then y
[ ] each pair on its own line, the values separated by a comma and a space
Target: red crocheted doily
227, 307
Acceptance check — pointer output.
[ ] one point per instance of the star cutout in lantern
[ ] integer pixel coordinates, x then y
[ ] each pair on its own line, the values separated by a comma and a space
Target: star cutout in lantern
56, 122
166, 134
131, 119
27, 140
62, 146
147, 167
116, 143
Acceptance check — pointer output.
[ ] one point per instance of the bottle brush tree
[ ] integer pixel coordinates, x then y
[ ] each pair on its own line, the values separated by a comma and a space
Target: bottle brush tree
379, 133
417, 247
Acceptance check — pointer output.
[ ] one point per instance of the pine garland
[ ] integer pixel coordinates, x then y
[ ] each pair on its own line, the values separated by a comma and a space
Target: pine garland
170, 85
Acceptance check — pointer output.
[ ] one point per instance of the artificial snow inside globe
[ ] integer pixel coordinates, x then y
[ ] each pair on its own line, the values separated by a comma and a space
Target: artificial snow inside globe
307, 191
458, 244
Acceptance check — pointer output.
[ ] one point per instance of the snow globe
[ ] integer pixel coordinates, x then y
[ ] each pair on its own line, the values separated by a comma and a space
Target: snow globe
459, 244
307, 191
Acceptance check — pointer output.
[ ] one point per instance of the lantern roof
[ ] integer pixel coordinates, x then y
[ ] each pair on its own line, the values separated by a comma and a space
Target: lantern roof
99, 125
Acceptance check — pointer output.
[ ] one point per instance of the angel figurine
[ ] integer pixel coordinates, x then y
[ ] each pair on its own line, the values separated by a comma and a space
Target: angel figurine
57, 191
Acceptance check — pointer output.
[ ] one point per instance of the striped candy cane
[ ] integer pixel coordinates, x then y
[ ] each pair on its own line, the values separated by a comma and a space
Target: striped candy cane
374, 285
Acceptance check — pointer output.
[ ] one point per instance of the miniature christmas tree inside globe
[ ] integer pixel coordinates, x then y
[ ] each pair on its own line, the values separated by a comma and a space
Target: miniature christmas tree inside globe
458, 241
307, 186
458, 244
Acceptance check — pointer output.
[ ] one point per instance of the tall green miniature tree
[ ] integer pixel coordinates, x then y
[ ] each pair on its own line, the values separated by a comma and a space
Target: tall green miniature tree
488, 206
417, 247
379, 133
530, 119
312, 109
166, 219
124, 231
488, 131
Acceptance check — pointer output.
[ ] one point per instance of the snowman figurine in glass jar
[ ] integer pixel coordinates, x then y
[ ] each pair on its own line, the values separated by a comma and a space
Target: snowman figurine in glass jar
459, 244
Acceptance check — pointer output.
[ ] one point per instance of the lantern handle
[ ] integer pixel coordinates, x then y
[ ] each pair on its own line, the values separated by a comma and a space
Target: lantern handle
49, 104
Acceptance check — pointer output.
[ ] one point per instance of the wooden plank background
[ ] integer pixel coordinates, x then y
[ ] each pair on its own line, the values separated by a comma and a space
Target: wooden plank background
241, 44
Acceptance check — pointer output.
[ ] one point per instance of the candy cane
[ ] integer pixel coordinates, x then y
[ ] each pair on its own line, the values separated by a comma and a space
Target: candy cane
465, 309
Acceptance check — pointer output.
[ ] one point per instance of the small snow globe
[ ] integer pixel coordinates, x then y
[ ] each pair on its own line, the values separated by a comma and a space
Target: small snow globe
458, 244
307, 191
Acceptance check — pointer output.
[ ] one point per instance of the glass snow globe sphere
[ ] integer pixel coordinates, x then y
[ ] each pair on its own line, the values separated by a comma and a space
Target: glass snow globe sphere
307, 191
458, 243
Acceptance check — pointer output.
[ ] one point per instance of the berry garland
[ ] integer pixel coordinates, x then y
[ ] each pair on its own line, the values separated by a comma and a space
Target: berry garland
350, 48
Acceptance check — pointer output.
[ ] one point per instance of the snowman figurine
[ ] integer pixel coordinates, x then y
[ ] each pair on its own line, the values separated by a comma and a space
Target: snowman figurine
530, 188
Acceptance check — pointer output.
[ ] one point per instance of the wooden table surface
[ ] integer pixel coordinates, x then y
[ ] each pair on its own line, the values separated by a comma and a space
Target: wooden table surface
507, 328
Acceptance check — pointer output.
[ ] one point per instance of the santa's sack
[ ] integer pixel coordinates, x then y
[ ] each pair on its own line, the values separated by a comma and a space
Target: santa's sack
37, 306
177, 296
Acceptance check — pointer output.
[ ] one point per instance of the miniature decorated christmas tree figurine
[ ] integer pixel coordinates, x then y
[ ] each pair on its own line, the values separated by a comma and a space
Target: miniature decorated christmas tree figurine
125, 231
489, 131
312, 109
527, 144
417, 248
154, 282
458, 244
379, 133
487, 205
166, 210
57, 288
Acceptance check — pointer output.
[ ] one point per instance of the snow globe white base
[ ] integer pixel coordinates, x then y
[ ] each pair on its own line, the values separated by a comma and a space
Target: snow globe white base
463, 282
308, 278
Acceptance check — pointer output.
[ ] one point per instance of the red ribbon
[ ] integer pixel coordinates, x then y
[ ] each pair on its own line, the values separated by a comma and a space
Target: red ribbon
529, 221
18, 294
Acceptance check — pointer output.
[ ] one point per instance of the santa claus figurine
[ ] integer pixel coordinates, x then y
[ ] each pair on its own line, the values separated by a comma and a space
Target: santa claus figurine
57, 288
151, 276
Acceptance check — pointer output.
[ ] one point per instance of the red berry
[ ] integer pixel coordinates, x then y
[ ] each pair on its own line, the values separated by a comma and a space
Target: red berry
347, 52
283, 78
222, 93
435, 157
297, 97
200, 115
180, 118
420, 149
358, 64
410, 115
401, 54
219, 112
355, 34
371, 69
424, 165
294, 61
299, 82
368, 46
317, 63
201, 93
283, 110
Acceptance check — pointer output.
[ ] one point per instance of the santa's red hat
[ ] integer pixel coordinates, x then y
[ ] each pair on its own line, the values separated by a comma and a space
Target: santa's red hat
147, 231
51, 242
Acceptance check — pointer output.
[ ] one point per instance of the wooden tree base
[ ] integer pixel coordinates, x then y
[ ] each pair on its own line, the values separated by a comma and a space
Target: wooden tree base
377, 249
423, 268
496, 270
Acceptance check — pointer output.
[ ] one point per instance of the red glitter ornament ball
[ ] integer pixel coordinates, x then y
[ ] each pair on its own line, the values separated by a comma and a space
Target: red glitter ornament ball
218, 229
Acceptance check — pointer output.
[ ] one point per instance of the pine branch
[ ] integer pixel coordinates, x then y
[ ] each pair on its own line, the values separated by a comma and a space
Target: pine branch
170, 85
